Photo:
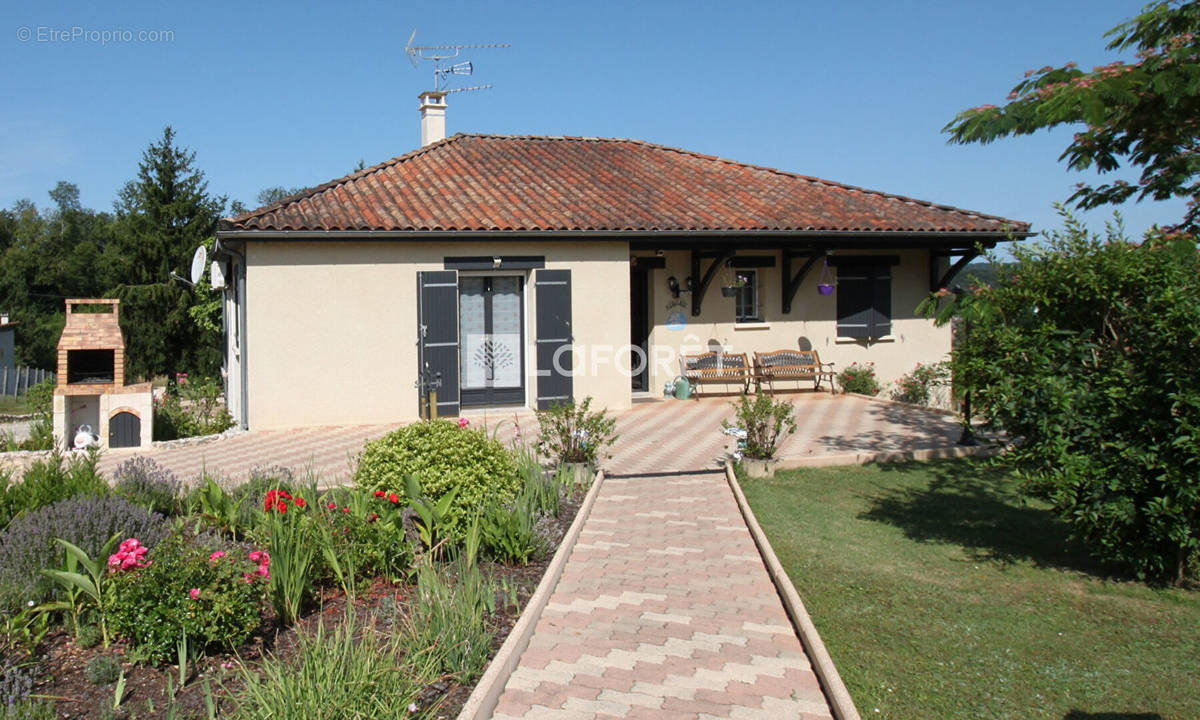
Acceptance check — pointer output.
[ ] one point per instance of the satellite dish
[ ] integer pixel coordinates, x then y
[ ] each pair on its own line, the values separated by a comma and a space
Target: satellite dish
199, 260
217, 275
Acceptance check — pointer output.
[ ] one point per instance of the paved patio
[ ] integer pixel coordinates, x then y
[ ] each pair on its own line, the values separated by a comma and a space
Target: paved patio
655, 437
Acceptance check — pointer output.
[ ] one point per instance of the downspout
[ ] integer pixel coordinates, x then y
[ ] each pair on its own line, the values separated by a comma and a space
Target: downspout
220, 248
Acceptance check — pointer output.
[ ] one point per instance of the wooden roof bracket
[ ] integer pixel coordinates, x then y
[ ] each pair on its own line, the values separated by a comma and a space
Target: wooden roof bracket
937, 283
720, 257
791, 283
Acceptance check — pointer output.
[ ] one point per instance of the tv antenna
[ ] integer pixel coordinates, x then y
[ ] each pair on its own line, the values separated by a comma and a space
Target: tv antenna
443, 57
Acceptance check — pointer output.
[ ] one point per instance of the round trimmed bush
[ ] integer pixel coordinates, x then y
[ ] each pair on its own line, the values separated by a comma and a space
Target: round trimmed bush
441, 455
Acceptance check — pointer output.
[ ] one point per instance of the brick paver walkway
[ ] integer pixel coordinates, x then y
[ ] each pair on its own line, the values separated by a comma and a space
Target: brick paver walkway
664, 610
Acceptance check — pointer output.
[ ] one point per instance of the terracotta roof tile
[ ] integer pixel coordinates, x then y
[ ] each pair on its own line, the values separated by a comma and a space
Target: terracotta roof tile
513, 183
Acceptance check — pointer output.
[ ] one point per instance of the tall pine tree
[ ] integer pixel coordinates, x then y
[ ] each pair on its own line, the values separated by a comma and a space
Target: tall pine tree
162, 217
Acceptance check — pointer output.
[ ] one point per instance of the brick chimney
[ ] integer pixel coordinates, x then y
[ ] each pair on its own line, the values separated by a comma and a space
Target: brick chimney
433, 117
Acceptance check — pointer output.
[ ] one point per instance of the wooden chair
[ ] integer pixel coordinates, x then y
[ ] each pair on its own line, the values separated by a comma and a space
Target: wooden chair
712, 368
799, 365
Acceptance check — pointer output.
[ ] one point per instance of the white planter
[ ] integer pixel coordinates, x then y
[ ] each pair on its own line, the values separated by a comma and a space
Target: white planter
759, 468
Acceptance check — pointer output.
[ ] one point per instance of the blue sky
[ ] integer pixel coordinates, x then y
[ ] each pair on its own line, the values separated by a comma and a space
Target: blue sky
296, 94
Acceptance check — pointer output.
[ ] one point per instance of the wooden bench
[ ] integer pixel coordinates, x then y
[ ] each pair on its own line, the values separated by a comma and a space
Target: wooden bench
799, 365
712, 368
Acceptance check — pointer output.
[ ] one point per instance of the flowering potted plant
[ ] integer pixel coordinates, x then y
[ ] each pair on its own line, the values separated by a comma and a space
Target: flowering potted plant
733, 281
762, 422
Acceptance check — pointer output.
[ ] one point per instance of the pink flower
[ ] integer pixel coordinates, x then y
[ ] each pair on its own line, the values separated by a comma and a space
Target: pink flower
463, 422
216, 556
256, 555
194, 593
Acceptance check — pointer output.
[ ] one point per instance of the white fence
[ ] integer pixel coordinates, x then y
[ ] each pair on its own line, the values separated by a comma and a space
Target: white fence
16, 380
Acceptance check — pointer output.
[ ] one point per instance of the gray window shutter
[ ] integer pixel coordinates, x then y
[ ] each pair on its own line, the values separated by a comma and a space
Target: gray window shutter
554, 358
437, 329
881, 301
864, 301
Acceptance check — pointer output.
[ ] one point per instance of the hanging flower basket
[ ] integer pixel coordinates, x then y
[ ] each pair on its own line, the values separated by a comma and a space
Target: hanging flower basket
729, 291
825, 284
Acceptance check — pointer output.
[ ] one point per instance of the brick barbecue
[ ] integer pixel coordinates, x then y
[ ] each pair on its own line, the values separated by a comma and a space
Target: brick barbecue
91, 387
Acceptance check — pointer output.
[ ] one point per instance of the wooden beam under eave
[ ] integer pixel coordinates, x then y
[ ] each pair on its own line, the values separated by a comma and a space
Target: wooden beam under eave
699, 287
791, 284
936, 283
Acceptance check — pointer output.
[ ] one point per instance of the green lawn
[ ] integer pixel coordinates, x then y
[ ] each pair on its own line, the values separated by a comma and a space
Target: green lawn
940, 594
10, 405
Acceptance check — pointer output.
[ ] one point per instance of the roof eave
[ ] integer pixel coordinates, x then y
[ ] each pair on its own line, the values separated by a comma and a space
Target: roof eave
671, 236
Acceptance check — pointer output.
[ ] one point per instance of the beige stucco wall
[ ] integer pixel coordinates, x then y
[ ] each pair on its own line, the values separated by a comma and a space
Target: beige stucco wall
331, 327
813, 317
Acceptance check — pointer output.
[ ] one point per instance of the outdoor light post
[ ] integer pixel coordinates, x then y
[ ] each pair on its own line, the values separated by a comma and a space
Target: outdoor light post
968, 434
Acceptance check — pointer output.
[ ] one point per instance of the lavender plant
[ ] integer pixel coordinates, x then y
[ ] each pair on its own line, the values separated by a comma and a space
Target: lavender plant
27, 545
144, 482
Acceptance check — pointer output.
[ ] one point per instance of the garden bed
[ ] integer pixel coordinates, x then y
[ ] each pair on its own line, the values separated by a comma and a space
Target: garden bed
137, 598
64, 664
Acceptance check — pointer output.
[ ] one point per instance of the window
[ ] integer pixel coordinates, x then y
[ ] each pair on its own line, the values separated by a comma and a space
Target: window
864, 297
746, 299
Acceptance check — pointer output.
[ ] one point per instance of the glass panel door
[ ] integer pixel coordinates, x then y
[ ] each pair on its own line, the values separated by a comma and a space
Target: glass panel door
491, 333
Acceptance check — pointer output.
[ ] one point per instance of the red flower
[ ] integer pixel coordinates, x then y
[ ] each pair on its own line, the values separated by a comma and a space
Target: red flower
332, 506
374, 517
300, 502
394, 498
380, 493
282, 508
345, 509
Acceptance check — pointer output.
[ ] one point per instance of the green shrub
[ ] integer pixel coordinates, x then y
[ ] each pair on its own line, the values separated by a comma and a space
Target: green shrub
103, 669
765, 421
1085, 351
572, 434
859, 379
144, 482
508, 532
191, 407
917, 386
188, 589
442, 456
40, 401
362, 536
250, 496
50, 480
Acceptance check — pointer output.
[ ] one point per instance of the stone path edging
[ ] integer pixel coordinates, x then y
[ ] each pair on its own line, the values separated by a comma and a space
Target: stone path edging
786, 463
839, 698
482, 701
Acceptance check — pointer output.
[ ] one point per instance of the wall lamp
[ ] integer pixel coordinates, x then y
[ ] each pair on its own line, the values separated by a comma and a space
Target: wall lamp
676, 290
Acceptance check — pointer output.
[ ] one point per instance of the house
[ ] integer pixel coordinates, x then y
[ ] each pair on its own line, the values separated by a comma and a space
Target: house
504, 271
